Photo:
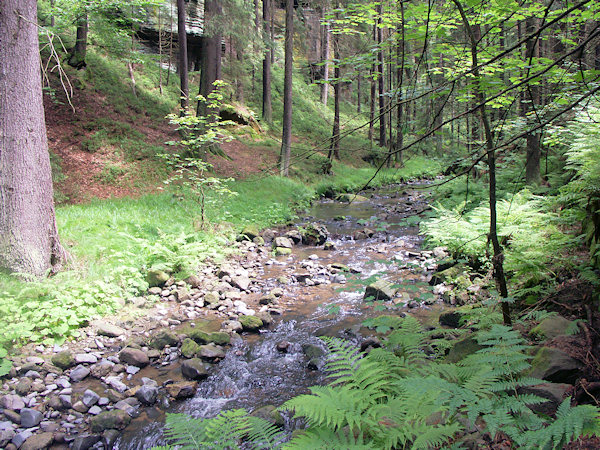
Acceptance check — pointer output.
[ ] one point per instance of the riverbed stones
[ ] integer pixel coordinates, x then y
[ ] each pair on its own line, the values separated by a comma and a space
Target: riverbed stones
38, 441
79, 373
250, 323
194, 369
315, 234
156, 277
114, 419
349, 197
189, 348
117, 385
23, 386
90, 398
13, 416
164, 338
134, 357
85, 442
108, 330
211, 352
295, 236
63, 360
380, 290
282, 242
102, 368
147, 394
30, 417
182, 389
85, 358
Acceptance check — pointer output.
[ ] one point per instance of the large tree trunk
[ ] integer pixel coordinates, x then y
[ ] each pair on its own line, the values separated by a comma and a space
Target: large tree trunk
532, 164
267, 109
286, 140
28, 234
78, 52
183, 58
211, 57
400, 53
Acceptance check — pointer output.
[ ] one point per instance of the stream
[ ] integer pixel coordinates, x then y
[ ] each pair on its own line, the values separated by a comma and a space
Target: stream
254, 373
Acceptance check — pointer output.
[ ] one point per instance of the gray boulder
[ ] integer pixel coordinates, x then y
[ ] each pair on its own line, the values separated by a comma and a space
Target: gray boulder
380, 290
194, 369
147, 394
554, 365
30, 417
134, 357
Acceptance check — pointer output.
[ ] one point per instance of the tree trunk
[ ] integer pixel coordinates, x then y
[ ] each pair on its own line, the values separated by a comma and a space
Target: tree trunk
532, 164
474, 34
380, 80
77, 57
326, 56
267, 109
400, 53
335, 137
286, 140
29, 241
183, 58
211, 58
358, 91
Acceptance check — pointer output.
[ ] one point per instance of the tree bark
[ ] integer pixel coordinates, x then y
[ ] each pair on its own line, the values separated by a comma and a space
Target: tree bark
474, 35
400, 53
286, 140
183, 58
325, 44
267, 108
380, 80
532, 164
211, 57
29, 241
335, 136
78, 52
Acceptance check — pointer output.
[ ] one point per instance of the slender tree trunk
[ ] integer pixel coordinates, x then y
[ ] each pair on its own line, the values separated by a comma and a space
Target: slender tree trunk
78, 52
29, 241
326, 56
400, 53
532, 164
380, 80
474, 34
335, 137
52, 20
170, 45
358, 92
183, 58
160, 49
372, 106
267, 109
286, 140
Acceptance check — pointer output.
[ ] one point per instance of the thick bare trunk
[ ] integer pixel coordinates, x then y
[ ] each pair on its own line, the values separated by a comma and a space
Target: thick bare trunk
183, 58
532, 165
77, 57
286, 140
28, 235
211, 58
267, 109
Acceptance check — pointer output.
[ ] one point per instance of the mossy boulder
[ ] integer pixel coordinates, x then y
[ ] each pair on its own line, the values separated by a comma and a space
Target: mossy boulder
552, 327
463, 348
189, 348
156, 277
349, 197
164, 338
451, 319
63, 360
115, 419
204, 337
554, 365
250, 323
457, 275
380, 290
282, 251
251, 231
315, 234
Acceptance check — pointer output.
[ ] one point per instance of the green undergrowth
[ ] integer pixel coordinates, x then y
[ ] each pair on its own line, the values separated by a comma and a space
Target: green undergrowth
114, 242
399, 397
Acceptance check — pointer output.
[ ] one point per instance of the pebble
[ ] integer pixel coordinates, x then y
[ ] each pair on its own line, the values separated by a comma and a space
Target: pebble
79, 373
86, 358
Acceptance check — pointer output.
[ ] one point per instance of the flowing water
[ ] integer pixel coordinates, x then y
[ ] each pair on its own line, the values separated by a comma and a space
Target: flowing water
254, 373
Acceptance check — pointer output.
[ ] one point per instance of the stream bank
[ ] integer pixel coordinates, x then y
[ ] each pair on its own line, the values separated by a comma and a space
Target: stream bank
199, 348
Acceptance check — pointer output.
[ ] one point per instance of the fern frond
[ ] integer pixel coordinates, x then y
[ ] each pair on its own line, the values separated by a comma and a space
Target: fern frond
263, 434
325, 439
